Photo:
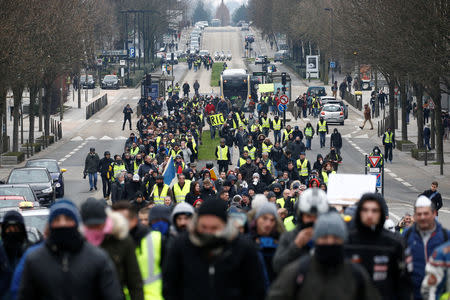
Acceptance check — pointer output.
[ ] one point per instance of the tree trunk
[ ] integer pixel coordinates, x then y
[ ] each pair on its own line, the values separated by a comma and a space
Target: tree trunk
40, 109
17, 95
419, 96
439, 127
391, 105
33, 94
404, 104
46, 103
4, 118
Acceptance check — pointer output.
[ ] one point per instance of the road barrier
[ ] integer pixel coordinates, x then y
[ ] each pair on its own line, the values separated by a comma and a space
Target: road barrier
96, 106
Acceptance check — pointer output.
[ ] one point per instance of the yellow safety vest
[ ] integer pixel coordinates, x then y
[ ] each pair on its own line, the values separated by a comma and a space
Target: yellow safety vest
322, 126
266, 148
116, 169
159, 198
175, 153
287, 133
308, 131
158, 140
388, 138
276, 125
325, 176
265, 99
251, 152
180, 193
169, 89
238, 117
177, 89
222, 153
289, 224
149, 260
268, 164
281, 202
254, 127
303, 167
136, 167
242, 161
135, 151
265, 123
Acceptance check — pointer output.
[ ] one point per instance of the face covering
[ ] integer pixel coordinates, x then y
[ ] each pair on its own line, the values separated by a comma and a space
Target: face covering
66, 239
210, 241
12, 242
160, 184
161, 226
329, 255
95, 236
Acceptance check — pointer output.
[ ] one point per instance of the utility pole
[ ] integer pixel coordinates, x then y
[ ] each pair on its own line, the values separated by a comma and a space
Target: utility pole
331, 44
61, 102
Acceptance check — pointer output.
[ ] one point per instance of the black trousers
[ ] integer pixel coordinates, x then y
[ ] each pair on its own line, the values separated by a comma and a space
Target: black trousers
125, 119
106, 186
223, 165
388, 152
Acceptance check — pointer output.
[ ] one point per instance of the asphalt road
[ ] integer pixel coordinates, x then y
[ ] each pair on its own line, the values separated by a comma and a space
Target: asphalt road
104, 132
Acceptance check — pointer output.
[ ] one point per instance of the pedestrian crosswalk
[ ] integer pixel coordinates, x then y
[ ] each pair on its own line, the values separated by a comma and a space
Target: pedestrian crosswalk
94, 138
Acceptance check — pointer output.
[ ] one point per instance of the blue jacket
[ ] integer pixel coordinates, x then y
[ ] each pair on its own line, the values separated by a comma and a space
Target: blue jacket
420, 254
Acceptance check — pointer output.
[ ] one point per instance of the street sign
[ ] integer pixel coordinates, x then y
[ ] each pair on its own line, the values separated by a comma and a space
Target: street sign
284, 99
259, 73
132, 52
332, 64
123, 62
99, 62
217, 119
282, 107
374, 160
374, 170
378, 180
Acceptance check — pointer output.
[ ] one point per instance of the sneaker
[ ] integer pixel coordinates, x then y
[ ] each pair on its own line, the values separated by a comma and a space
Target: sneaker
90, 190
360, 127
95, 187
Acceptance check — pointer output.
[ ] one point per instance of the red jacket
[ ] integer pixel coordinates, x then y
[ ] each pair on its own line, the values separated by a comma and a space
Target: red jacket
210, 109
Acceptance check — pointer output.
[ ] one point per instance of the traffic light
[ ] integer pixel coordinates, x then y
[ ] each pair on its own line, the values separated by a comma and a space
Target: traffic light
148, 79
283, 78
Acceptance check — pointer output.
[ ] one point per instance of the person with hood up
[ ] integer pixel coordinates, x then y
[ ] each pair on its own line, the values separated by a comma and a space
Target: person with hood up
13, 244
318, 163
256, 184
298, 242
139, 201
159, 219
247, 170
305, 277
336, 141
181, 217
212, 252
379, 251
296, 147
334, 158
109, 231
265, 230
92, 273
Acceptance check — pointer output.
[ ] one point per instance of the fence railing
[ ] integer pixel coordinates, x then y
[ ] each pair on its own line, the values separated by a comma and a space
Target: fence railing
353, 100
96, 106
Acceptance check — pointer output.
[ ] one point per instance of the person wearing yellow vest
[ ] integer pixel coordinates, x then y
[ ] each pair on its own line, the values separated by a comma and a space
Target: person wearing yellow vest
251, 150
243, 159
266, 146
255, 127
303, 167
389, 144
116, 167
176, 89
176, 151
134, 150
326, 171
191, 255
265, 121
169, 90
276, 126
309, 133
286, 132
160, 190
322, 131
223, 156
181, 188
267, 162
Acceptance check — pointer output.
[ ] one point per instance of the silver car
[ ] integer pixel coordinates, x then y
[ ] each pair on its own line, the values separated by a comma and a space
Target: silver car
332, 113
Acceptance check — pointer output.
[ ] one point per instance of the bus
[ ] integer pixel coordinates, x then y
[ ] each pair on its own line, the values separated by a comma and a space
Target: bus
237, 82
215, 23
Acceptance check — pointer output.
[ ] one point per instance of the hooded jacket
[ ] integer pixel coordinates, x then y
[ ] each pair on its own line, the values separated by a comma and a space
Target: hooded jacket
230, 270
381, 253
120, 247
336, 139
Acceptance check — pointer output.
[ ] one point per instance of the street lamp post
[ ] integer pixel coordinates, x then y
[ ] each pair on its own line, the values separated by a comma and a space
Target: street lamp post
331, 43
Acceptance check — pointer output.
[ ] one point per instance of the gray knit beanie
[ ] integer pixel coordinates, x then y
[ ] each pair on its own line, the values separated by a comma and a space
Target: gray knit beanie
266, 208
330, 224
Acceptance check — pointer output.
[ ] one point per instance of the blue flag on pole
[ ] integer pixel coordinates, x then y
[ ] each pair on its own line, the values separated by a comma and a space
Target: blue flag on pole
169, 172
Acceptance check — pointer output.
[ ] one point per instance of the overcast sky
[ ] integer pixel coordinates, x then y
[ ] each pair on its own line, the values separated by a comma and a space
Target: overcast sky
233, 3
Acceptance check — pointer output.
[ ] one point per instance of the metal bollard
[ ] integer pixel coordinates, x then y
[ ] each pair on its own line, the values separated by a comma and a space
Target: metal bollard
426, 155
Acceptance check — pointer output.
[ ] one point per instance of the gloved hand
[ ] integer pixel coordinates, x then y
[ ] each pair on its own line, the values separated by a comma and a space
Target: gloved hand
84, 175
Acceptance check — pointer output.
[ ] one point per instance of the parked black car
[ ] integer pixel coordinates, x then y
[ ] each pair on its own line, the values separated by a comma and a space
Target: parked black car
40, 181
89, 83
55, 171
110, 82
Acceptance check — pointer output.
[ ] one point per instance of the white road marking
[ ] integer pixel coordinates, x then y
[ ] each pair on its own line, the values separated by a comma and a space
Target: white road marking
120, 138
98, 121
347, 136
111, 121
363, 136
399, 179
356, 131
91, 138
77, 138
407, 184
387, 170
392, 175
72, 153
105, 138
62, 159
67, 156
135, 97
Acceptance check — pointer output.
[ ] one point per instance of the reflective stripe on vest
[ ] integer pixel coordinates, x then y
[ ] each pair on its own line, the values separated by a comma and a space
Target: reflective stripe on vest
136, 167
266, 148
254, 127
322, 126
308, 131
277, 125
268, 164
222, 153
134, 151
388, 138
238, 117
287, 133
325, 176
251, 152
303, 167
149, 260
265, 123
180, 193
159, 198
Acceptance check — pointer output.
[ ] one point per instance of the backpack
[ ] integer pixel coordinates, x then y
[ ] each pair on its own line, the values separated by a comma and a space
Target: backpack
303, 274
